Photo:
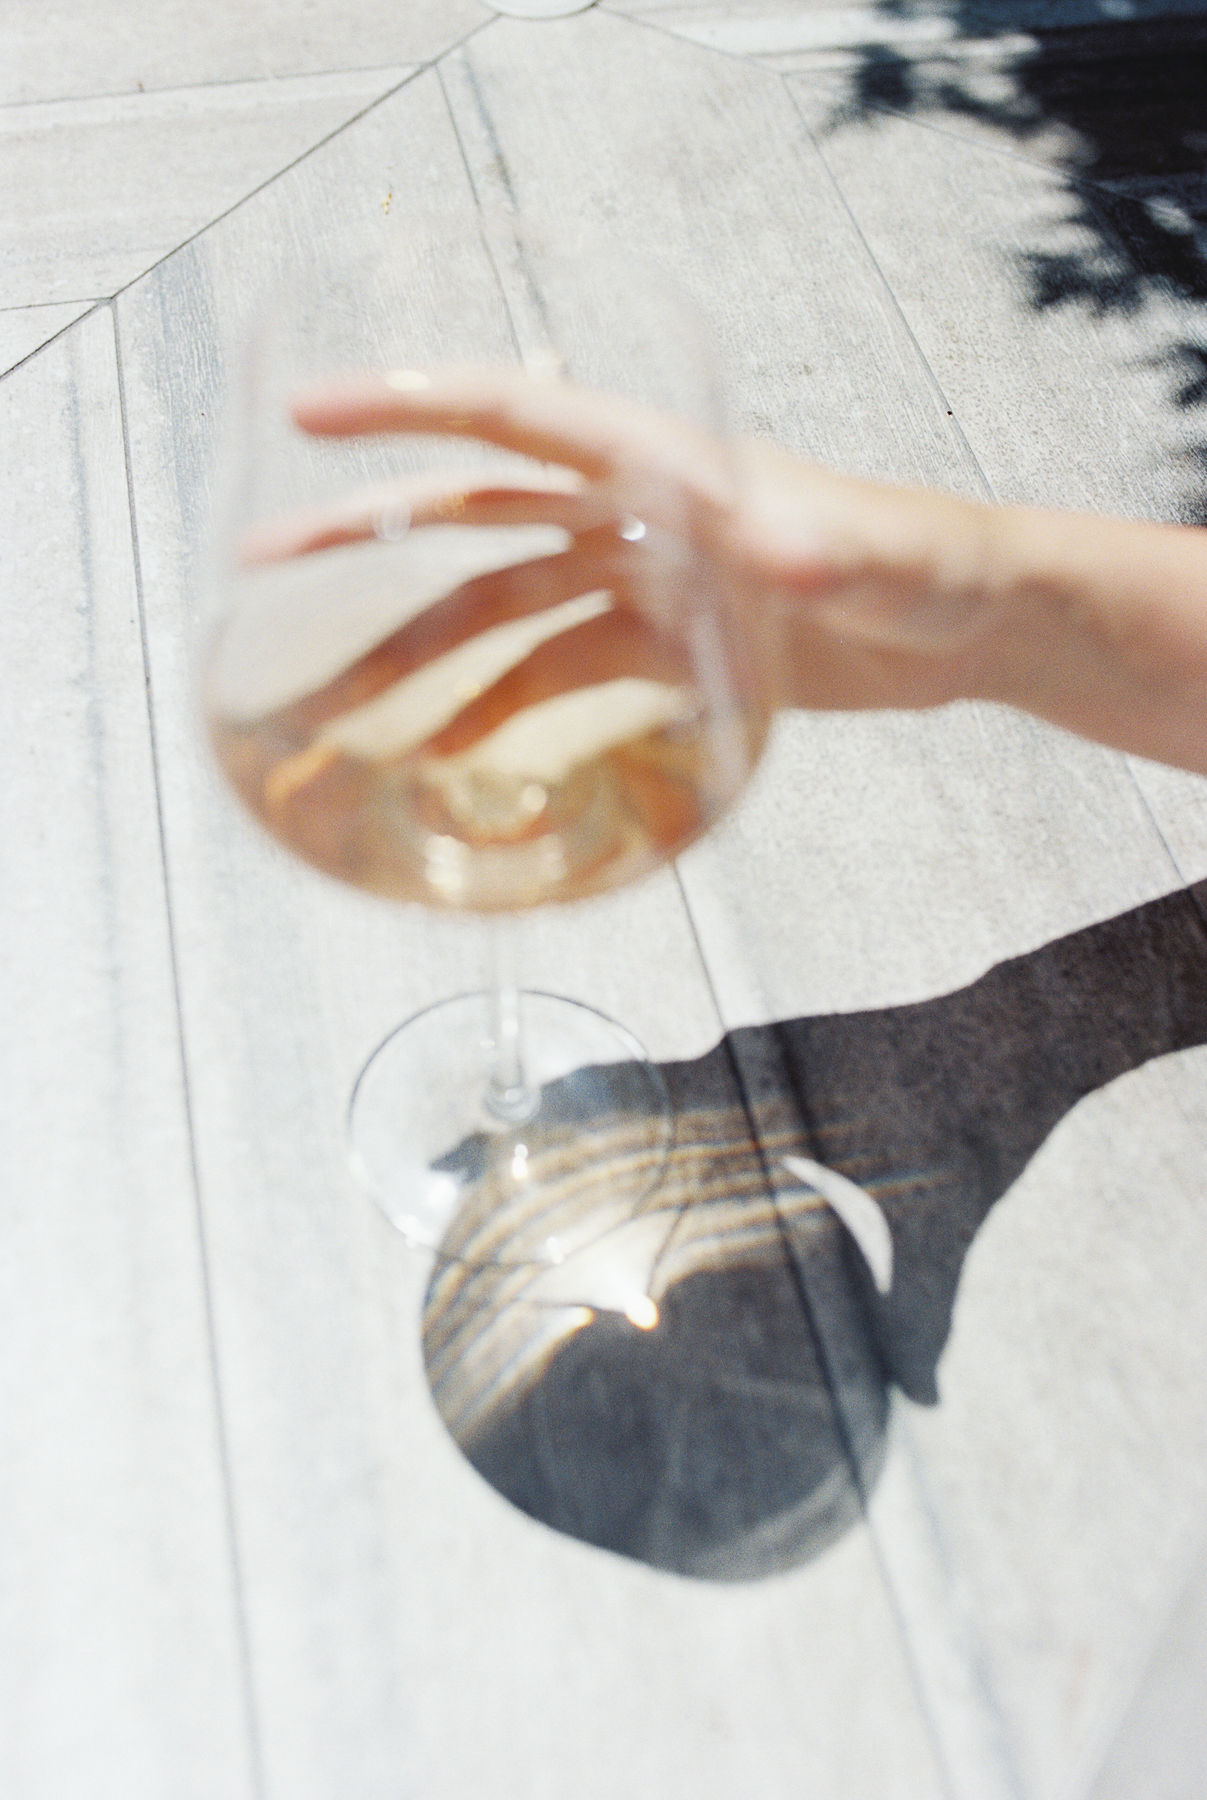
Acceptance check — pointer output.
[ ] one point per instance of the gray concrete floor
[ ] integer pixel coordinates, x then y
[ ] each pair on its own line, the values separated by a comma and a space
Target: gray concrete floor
806, 1538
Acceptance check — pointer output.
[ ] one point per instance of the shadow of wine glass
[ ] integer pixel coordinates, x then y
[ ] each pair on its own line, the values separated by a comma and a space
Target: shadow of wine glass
660, 1393
705, 1387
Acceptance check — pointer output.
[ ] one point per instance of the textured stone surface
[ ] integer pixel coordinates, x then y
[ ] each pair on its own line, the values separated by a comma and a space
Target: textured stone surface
802, 1536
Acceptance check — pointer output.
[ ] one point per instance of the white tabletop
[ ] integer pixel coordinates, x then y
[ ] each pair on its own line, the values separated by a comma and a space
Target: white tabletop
242, 1555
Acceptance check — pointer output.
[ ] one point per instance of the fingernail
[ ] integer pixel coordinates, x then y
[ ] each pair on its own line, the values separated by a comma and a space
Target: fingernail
407, 381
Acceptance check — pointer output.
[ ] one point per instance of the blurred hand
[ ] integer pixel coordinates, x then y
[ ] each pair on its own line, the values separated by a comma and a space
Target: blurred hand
849, 594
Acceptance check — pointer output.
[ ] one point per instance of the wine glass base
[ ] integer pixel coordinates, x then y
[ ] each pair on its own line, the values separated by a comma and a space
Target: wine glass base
472, 1187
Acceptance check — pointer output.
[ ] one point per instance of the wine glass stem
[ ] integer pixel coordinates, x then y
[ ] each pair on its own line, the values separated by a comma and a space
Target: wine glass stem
509, 1097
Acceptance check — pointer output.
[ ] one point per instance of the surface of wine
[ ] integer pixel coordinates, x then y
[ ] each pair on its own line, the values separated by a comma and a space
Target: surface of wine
580, 791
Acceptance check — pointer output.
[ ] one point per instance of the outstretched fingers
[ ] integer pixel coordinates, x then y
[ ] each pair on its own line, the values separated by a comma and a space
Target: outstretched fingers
537, 416
608, 647
392, 509
496, 598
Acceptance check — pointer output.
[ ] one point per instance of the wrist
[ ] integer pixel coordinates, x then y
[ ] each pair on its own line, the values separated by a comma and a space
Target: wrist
1101, 628
1027, 607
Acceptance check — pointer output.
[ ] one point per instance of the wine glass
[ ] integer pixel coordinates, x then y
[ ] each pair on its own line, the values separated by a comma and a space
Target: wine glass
460, 661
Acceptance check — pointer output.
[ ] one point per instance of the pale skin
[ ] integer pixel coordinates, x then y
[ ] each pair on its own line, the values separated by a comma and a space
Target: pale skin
852, 594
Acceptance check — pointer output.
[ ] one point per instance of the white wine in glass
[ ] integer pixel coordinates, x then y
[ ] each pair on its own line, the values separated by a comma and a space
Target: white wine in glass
567, 797
449, 673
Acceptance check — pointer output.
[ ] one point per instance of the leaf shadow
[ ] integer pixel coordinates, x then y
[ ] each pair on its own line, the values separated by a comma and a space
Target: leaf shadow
1116, 107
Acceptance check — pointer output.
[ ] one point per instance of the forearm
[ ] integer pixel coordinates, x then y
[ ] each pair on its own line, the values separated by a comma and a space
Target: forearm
889, 596
1100, 625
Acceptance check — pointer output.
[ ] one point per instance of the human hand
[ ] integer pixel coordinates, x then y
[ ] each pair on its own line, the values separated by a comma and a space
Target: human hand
848, 594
